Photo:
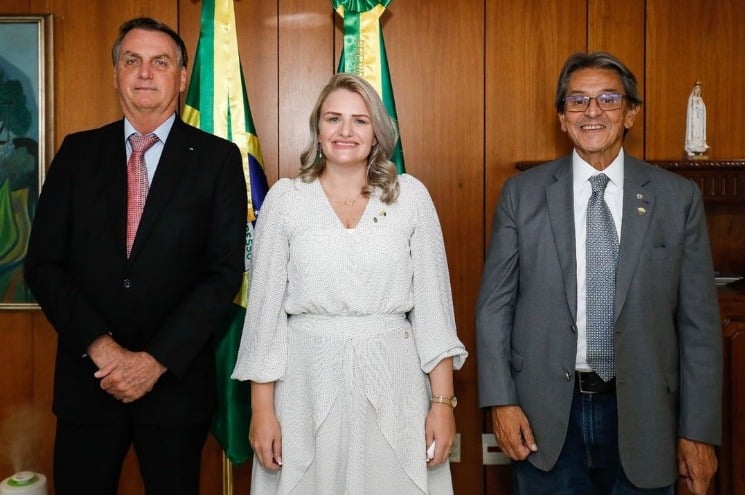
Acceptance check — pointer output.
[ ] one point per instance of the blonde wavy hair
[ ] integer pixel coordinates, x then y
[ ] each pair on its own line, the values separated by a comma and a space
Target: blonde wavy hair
381, 172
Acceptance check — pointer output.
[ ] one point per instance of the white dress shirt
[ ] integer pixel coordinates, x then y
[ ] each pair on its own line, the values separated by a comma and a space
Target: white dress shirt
581, 172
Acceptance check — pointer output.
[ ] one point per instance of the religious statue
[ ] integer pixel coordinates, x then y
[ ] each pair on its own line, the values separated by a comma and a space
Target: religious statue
695, 145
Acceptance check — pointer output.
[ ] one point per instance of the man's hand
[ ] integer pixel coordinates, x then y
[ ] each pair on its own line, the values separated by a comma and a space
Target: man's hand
130, 377
124, 374
513, 432
697, 463
104, 350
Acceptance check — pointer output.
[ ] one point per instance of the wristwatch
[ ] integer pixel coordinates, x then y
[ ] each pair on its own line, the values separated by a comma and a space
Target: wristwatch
450, 401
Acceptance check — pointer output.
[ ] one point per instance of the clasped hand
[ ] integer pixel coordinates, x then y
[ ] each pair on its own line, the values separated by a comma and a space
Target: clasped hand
124, 374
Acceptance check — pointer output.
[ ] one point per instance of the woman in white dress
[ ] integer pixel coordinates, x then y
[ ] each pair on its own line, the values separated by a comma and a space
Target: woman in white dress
349, 339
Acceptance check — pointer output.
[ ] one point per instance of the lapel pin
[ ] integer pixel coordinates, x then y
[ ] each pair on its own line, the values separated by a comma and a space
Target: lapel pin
639, 196
641, 210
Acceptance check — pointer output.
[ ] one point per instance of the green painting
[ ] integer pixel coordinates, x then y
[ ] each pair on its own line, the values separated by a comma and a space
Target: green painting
23, 138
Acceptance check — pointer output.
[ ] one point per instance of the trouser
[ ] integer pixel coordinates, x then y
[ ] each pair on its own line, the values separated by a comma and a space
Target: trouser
88, 458
589, 462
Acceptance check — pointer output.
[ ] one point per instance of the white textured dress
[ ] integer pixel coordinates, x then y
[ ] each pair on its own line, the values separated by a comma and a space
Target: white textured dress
348, 322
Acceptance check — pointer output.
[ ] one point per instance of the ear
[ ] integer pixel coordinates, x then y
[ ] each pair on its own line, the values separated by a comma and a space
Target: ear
182, 85
628, 119
562, 121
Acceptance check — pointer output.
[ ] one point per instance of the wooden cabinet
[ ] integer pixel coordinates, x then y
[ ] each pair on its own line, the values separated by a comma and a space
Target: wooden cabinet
731, 476
722, 185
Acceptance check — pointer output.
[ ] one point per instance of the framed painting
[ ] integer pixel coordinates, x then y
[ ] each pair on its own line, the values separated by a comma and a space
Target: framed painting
26, 141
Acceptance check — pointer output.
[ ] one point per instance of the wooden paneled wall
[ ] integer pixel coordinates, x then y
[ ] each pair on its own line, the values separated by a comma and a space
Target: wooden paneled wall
474, 82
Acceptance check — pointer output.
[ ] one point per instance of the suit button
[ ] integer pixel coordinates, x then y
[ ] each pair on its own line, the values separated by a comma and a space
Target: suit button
568, 375
573, 328
126, 283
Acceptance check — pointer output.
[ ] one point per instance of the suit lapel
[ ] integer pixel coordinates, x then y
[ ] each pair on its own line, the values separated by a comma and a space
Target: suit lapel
112, 157
559, 197
638, 208
168, 175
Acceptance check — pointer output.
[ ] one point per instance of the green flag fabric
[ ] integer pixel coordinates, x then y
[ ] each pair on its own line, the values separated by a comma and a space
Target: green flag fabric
217, 102
364, 53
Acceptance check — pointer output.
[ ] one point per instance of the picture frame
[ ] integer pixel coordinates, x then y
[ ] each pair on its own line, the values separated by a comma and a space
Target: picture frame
26, 142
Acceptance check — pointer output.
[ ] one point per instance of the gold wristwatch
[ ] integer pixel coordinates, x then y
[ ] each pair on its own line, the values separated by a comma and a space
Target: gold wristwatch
450, 401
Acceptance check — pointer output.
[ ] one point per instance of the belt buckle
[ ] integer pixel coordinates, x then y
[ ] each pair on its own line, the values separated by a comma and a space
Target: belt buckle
582, 389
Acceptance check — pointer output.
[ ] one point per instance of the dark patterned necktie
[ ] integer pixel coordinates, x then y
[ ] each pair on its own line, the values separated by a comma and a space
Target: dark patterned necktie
137, 185
602, 255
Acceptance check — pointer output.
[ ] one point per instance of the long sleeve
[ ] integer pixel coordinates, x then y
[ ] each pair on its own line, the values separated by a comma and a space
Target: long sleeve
432, 316
699, 332
262, 356
496, 307
74, 317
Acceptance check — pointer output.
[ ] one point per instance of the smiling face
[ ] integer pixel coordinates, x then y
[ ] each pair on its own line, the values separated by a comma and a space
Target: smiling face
597, 135
148, 76
345, 129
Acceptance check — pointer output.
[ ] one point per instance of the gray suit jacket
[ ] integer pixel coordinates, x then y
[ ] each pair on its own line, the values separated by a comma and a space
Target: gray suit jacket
667, 329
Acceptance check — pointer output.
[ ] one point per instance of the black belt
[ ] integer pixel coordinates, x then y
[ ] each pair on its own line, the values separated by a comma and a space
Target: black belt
589, 382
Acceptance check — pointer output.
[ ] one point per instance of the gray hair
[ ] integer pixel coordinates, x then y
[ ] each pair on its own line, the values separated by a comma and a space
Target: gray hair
596, 60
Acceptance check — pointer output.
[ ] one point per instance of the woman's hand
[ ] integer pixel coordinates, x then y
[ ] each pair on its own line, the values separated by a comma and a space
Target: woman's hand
264, 433
439, 427
266, 439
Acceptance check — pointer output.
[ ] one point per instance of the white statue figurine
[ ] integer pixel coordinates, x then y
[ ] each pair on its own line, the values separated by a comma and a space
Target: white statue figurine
696, 123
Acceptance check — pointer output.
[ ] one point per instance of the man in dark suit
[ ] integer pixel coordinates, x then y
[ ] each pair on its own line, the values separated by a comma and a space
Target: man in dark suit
135, 318
581, 411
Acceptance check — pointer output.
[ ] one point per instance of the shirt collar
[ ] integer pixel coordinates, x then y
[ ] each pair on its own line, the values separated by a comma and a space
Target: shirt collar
582, 171
162, 131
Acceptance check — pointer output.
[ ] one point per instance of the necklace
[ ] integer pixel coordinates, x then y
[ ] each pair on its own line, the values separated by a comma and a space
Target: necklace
342, 201
346, 202
347, 209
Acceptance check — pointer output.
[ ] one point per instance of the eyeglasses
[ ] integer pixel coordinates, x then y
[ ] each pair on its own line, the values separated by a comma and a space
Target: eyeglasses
580, 103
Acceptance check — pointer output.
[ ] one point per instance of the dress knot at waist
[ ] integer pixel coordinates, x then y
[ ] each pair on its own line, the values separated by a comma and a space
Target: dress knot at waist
348, 325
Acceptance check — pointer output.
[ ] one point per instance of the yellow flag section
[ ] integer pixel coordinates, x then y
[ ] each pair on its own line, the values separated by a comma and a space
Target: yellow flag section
217, 100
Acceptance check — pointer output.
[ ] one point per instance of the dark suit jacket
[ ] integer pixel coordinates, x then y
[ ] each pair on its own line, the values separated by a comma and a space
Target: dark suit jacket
169, 297
667, 329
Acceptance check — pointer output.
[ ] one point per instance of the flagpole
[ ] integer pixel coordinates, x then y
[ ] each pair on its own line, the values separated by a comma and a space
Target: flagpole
227, 475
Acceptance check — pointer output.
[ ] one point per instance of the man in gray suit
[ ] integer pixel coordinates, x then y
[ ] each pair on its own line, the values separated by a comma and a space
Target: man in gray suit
571, 424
